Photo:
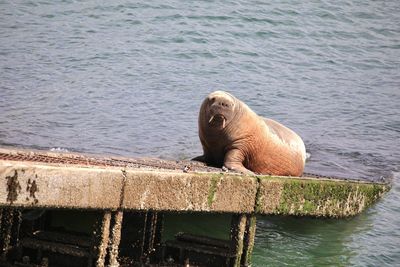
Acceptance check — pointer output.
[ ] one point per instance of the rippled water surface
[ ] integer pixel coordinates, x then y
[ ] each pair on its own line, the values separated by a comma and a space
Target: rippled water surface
128, 78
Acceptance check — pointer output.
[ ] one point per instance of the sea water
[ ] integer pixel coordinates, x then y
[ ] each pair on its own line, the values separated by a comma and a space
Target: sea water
128, 77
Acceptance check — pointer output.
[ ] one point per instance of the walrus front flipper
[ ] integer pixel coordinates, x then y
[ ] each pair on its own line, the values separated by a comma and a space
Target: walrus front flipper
234, 159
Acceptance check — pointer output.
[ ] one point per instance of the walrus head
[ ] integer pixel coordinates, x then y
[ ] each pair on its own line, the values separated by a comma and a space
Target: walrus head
219, 108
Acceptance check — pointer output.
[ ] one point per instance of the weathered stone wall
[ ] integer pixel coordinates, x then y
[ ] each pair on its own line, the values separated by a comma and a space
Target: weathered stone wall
32, 184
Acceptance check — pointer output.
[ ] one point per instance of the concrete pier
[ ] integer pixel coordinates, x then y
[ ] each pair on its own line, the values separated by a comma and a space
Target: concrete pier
113, 186
28, 184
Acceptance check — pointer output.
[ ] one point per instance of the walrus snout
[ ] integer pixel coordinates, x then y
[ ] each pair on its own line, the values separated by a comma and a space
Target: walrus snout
219, 112
219, 109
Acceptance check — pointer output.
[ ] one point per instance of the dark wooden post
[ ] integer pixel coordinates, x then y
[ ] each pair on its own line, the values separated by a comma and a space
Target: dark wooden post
151, 234
248, 242
238, 228
101, 238
6, 226
116, 226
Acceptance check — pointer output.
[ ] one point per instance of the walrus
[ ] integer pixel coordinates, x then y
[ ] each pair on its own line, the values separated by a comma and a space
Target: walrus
235, 137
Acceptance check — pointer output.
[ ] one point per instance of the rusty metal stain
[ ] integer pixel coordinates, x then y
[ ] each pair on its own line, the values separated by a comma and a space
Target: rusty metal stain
32, 188
13, 187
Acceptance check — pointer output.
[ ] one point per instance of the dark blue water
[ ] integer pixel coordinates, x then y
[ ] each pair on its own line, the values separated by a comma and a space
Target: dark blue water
128, 79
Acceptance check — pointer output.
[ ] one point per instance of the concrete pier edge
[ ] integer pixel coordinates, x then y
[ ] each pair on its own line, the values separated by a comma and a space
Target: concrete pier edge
42, 180
39, 185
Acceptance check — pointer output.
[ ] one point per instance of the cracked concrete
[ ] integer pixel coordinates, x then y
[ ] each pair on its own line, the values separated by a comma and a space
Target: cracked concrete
49, 185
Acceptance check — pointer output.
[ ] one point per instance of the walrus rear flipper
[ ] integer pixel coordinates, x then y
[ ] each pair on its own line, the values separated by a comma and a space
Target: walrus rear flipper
201, 158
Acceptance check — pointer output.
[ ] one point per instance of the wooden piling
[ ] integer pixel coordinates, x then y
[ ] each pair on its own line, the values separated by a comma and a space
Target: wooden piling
150, 234
115, 230
101, 239
6, 226
238, 228
248, 242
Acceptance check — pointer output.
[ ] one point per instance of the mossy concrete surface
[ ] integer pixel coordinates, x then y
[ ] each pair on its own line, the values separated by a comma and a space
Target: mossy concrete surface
315, 196
42, 185
172, 191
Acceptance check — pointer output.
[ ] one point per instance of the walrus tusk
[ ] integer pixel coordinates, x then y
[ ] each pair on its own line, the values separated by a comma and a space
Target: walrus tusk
223, 120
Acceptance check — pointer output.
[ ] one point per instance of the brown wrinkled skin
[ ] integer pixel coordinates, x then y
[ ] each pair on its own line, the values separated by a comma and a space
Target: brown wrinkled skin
247, 142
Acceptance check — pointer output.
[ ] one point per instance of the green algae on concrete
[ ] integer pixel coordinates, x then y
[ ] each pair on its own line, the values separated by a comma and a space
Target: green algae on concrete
41, 185
213, 188
178, 191
118, 188
316, 197
249, 237
233, 193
